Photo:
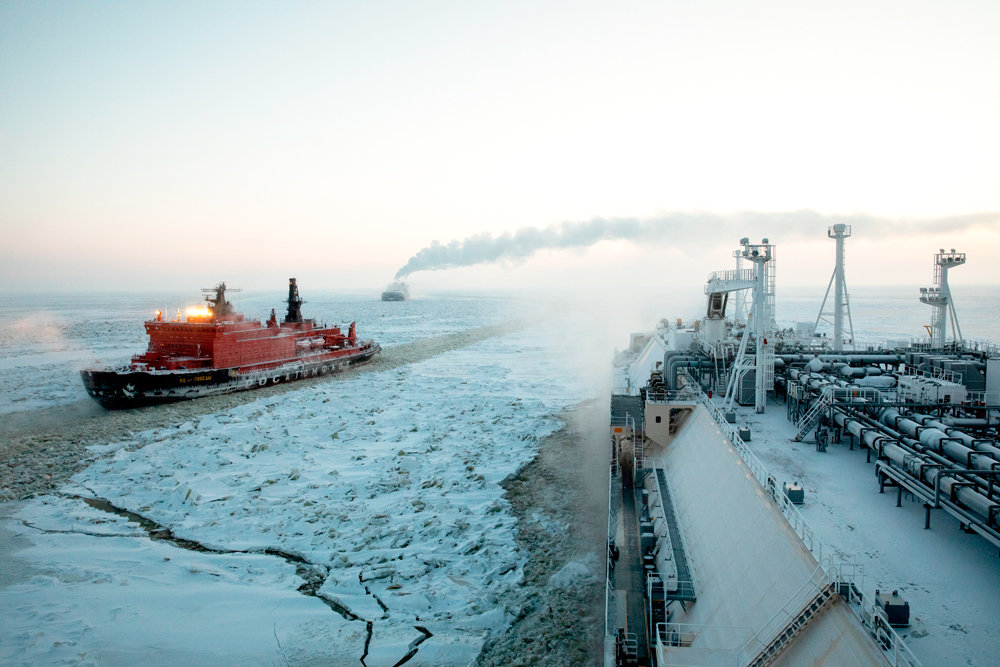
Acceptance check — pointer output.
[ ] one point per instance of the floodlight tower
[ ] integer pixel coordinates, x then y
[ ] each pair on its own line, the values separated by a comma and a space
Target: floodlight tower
841, 301
761, 323
939, 298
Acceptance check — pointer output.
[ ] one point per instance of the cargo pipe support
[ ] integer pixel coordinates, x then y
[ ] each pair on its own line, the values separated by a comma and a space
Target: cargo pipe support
920, 468
938, 440
952, 431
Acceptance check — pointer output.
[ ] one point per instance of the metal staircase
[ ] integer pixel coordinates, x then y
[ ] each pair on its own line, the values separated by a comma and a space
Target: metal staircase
815, 413
802, 607
794, 626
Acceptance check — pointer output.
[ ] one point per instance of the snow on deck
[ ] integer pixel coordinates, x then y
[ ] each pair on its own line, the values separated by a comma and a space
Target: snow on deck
748, 561
950, 578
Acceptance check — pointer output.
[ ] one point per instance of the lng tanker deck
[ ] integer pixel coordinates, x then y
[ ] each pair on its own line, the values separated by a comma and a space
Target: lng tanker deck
783, 497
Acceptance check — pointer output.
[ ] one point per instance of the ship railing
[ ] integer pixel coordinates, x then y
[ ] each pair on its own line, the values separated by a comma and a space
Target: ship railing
893, 647
699, 644
934, 374
730, 276
610, 593
609, 632
984, 398
848, 574
791, 513
672, 395
818, 583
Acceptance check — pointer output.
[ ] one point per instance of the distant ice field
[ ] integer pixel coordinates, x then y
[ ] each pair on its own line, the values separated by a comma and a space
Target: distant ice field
387, 484
46, 339
383, 486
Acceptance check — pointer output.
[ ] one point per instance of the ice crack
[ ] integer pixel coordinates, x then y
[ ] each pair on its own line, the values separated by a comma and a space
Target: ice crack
312, 574
415, 644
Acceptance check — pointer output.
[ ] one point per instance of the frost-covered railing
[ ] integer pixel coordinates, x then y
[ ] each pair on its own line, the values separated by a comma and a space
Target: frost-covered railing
844, 573
896, 650
684, 394
707, 642
610, 594
935, 374
818, 583
612, 529
986, 398
726, 281
791, 513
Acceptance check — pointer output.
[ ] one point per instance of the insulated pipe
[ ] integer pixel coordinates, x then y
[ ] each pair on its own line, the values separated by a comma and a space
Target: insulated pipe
967, 440
848, 358
938, 440
877, 381
686, 362
968, 422
670, 354
914, 446
906, 442
859, 371
919, 467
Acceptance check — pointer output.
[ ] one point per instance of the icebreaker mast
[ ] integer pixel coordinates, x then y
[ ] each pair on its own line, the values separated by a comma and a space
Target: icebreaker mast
294, 303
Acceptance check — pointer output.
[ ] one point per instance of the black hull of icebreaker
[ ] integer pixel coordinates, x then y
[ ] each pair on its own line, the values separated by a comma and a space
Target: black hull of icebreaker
117, 389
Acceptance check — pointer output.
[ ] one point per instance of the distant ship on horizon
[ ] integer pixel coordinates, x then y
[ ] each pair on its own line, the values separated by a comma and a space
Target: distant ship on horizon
396, 291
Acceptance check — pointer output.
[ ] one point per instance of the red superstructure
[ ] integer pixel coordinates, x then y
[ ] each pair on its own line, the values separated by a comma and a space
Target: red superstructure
216, 349
219, 337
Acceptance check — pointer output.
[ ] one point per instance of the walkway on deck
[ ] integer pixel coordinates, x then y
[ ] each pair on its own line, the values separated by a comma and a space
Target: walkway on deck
629, 573
685, 580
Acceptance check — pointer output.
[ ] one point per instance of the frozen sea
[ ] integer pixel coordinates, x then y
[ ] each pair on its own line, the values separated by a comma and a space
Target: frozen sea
357, 518
361, 517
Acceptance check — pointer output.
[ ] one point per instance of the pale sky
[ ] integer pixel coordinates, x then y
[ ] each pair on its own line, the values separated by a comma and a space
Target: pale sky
170, 145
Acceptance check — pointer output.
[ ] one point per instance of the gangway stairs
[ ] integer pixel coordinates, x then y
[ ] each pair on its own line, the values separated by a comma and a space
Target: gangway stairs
685, 582
785, 636
811, 418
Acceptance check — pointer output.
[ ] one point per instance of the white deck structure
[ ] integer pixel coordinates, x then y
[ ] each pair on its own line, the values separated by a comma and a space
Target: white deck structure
753, 574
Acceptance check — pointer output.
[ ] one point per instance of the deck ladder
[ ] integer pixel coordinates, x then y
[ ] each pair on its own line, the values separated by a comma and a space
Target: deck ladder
788, 633
815, 413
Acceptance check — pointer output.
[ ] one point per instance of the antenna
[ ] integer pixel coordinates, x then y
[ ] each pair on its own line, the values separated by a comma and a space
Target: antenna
219, 305
841, 301
761, 324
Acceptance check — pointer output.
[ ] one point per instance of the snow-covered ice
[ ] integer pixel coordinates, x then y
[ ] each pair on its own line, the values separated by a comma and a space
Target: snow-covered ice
384, 485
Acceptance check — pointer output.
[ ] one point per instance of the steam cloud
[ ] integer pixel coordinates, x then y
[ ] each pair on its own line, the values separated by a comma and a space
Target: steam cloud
673, 227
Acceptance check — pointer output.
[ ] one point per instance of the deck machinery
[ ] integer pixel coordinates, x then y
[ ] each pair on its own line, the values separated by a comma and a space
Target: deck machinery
927, 413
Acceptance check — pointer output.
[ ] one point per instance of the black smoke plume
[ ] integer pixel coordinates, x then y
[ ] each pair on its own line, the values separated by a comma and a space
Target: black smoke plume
672, 228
